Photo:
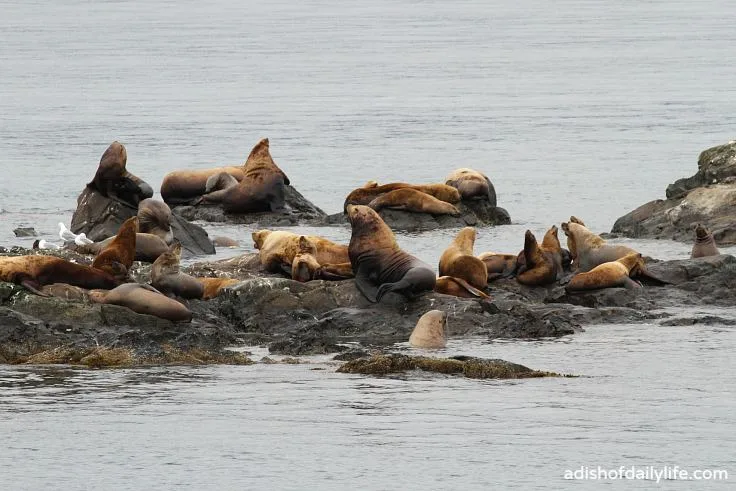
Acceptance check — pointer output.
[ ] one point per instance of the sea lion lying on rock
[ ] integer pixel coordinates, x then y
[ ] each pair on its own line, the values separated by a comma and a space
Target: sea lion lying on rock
166, 277
472, 185
430, 331
182, 186
113, 181
143, 299
415, 201
277, 250
306, 267
704, 245
148, 247
542, 263
379, 265
371, 191
154, 217
213, 286
613, 274
458, 260
588, 250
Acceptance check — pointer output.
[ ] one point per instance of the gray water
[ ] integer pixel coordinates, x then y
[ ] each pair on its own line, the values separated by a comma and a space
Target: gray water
585, 108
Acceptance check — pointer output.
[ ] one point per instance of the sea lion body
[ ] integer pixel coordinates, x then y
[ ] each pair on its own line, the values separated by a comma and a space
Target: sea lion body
166, 277
542, 263
220, 241
379, 265
430, 331
65, 291
121, 249
214, 286
143, 299
704, 245
415, 201
154, 217
182, 186
501, 265
458, 260
609, 275
589, 250
277, 250
472, 185
148, 247
112, 180
34, 272
371, 190
457, 287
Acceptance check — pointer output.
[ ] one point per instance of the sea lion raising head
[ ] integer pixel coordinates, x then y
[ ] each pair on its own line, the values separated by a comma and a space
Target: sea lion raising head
588, 250
112, 180
166, 277
121, 249
430, 331
458, 260
154, 217
542, 263
704, 245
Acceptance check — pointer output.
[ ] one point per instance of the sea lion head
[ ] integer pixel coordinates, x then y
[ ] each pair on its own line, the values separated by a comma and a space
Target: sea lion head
114, 158
369, 231
550, 241
305, 265
168, 262
575, 219
701, 233
370, 184
634, 263
97, 296
118, 271
259, 237
430, 331
153, 214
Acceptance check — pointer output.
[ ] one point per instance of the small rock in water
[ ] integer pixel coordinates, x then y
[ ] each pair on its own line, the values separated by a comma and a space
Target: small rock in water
25, 232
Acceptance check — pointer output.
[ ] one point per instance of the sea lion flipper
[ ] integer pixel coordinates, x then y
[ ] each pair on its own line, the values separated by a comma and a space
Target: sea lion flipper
365, 287
630, 284
649, 278
32, 286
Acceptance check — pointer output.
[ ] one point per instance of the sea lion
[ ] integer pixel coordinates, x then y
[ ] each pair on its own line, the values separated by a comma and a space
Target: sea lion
143, 299
371, 190
458, 260
220, 181
113, 181
154, 217
457, 287
704, 245
65, 291
609, 275
261, 189
166, 277
121, 249
34, 272
430, 331
588, 250
277, 250
542, 263
472, 185
148, 247
378, 262
409, 199
214, 286
577, 220
225, 242
502, 265
305, 266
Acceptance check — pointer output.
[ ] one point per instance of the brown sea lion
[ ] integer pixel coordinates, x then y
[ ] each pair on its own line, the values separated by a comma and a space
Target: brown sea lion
154, 217
262, 188
458, 260
143, 299
472, 185
214, 286
501, 265
112, 180
305, 266
148, 247
166, 277
378, 262
542, 263
409, 199
34, 272
588, 250
609, 275
704, 245
371, 190
458, 287
121, 249
277, 250
225, 242
430, 331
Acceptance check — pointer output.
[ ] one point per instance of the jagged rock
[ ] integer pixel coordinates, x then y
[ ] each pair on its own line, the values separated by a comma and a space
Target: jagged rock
100, 217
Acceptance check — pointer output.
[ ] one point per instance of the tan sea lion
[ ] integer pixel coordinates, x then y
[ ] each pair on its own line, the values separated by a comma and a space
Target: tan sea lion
225, 242
148, 247
588, 250
143, 299
379, 262
214, 286
704, 245
458, 260
305, 266
277, 250
34, 272
112, 180
609, 275
166, 277
182, 186
121, 249
154, 217
472, 185
409, 199
371, 190
262, 188
430, 331
575, 219
458, 287
65, 291
542, 263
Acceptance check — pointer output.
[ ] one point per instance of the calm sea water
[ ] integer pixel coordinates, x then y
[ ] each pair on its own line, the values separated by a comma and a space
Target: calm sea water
586, 108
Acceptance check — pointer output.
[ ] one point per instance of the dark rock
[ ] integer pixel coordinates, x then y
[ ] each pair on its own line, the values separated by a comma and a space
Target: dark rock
25, 232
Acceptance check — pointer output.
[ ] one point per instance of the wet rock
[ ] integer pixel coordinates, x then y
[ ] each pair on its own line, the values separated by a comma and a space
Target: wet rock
100, 217
708, 197
299, 211
25, 232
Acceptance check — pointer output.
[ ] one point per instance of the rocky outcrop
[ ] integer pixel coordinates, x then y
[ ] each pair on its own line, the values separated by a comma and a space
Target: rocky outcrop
100, 217
708, 197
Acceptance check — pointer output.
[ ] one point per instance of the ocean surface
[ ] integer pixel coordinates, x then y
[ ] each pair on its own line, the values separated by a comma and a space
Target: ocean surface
573, 107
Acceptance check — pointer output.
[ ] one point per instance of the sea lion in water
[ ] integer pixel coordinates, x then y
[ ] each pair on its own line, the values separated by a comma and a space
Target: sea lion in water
154, 217
214, 286
613, 274
143, 299
225, 242
378, 262
113, 181
277, 250
121, 249
148, 247
458, 260
261, 189
409, 199
472, 185
371, 191
430, 331
704, 245
457, 287
34, 272
588, 250
166, 277
542, 263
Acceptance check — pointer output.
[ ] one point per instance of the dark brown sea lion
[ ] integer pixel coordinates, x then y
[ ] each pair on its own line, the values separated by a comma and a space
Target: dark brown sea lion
112, 180
34, 272
154, 217
166, 277
472, 185
458, 287
121, 249
458, 260
543, 263
409, 199
588, 250
143, 299
704, 245
277, 250
262, 188
371, 190
501, 265
148, 247
378, 262
214, 286
609, 275
430, 331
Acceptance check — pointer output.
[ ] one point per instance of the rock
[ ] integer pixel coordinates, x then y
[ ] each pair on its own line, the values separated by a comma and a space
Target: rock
100, 217
708, 197
25, 232
301, 211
